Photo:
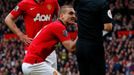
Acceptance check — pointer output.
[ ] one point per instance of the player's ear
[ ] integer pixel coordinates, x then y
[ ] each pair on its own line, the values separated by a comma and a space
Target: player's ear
61, 16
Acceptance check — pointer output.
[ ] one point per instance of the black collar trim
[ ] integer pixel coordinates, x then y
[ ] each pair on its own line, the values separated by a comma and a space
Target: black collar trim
61, 21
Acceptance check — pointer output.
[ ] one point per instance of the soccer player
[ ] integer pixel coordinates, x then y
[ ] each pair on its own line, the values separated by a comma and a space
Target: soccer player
92, 20
43, 43
36, 14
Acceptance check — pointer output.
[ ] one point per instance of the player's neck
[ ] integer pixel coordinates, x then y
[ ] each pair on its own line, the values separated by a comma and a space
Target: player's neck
62, 22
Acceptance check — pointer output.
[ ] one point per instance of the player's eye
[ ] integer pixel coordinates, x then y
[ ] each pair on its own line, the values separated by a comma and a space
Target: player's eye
71, 13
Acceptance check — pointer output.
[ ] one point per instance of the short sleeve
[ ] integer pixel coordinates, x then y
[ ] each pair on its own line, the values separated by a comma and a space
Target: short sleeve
106, 13
61, 33
18, 9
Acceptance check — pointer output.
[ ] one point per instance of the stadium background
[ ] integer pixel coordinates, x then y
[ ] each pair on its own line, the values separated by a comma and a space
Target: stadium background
119, 44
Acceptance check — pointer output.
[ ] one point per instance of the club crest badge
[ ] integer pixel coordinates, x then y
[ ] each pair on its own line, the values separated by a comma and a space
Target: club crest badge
65, 33
49, 6
109, 14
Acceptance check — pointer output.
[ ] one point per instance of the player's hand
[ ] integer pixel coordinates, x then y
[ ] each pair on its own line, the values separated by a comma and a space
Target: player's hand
25, 39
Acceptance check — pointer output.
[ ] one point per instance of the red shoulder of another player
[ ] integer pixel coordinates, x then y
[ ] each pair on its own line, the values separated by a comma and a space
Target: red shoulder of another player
19, 9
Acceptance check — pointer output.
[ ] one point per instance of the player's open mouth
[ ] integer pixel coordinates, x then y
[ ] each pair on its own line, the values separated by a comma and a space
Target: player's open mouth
72, 22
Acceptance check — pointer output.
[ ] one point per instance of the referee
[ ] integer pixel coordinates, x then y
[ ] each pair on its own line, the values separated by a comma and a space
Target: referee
92, 20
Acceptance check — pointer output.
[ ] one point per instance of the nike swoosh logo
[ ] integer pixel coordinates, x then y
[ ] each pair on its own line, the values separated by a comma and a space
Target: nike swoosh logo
32, 8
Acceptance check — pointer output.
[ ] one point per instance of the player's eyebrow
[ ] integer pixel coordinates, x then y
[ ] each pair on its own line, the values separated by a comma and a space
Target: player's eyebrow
71, 12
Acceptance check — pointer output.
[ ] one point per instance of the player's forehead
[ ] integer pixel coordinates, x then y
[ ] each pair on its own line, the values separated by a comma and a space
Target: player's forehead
70, 10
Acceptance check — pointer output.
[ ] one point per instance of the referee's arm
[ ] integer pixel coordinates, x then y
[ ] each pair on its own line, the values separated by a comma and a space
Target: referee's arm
108, 26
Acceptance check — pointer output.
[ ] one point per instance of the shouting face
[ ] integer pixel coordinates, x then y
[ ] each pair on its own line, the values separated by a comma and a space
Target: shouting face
68, 17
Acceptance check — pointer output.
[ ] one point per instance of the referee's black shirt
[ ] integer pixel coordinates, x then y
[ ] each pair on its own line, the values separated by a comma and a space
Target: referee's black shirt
92, 14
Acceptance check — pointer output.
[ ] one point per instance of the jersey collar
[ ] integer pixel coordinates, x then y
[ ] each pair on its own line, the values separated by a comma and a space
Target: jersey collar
61, 21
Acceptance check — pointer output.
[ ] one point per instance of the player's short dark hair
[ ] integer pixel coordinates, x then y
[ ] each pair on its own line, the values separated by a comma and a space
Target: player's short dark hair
63, 9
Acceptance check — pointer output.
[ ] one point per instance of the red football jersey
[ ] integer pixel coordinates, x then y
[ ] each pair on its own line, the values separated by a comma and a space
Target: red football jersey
43, 43
35, 15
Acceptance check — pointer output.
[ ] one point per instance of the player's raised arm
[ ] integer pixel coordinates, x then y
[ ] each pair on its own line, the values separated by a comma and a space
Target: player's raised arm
70, 45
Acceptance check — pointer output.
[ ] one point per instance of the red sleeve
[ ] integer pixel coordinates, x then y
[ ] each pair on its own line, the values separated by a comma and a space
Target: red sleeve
61, 33
73, 35
18, 9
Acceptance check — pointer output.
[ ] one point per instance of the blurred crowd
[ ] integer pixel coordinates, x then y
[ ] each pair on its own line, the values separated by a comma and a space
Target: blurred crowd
119, 51
123, 14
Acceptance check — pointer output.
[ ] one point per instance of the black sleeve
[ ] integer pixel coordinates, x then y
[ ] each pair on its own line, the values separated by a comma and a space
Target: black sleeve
106, 15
